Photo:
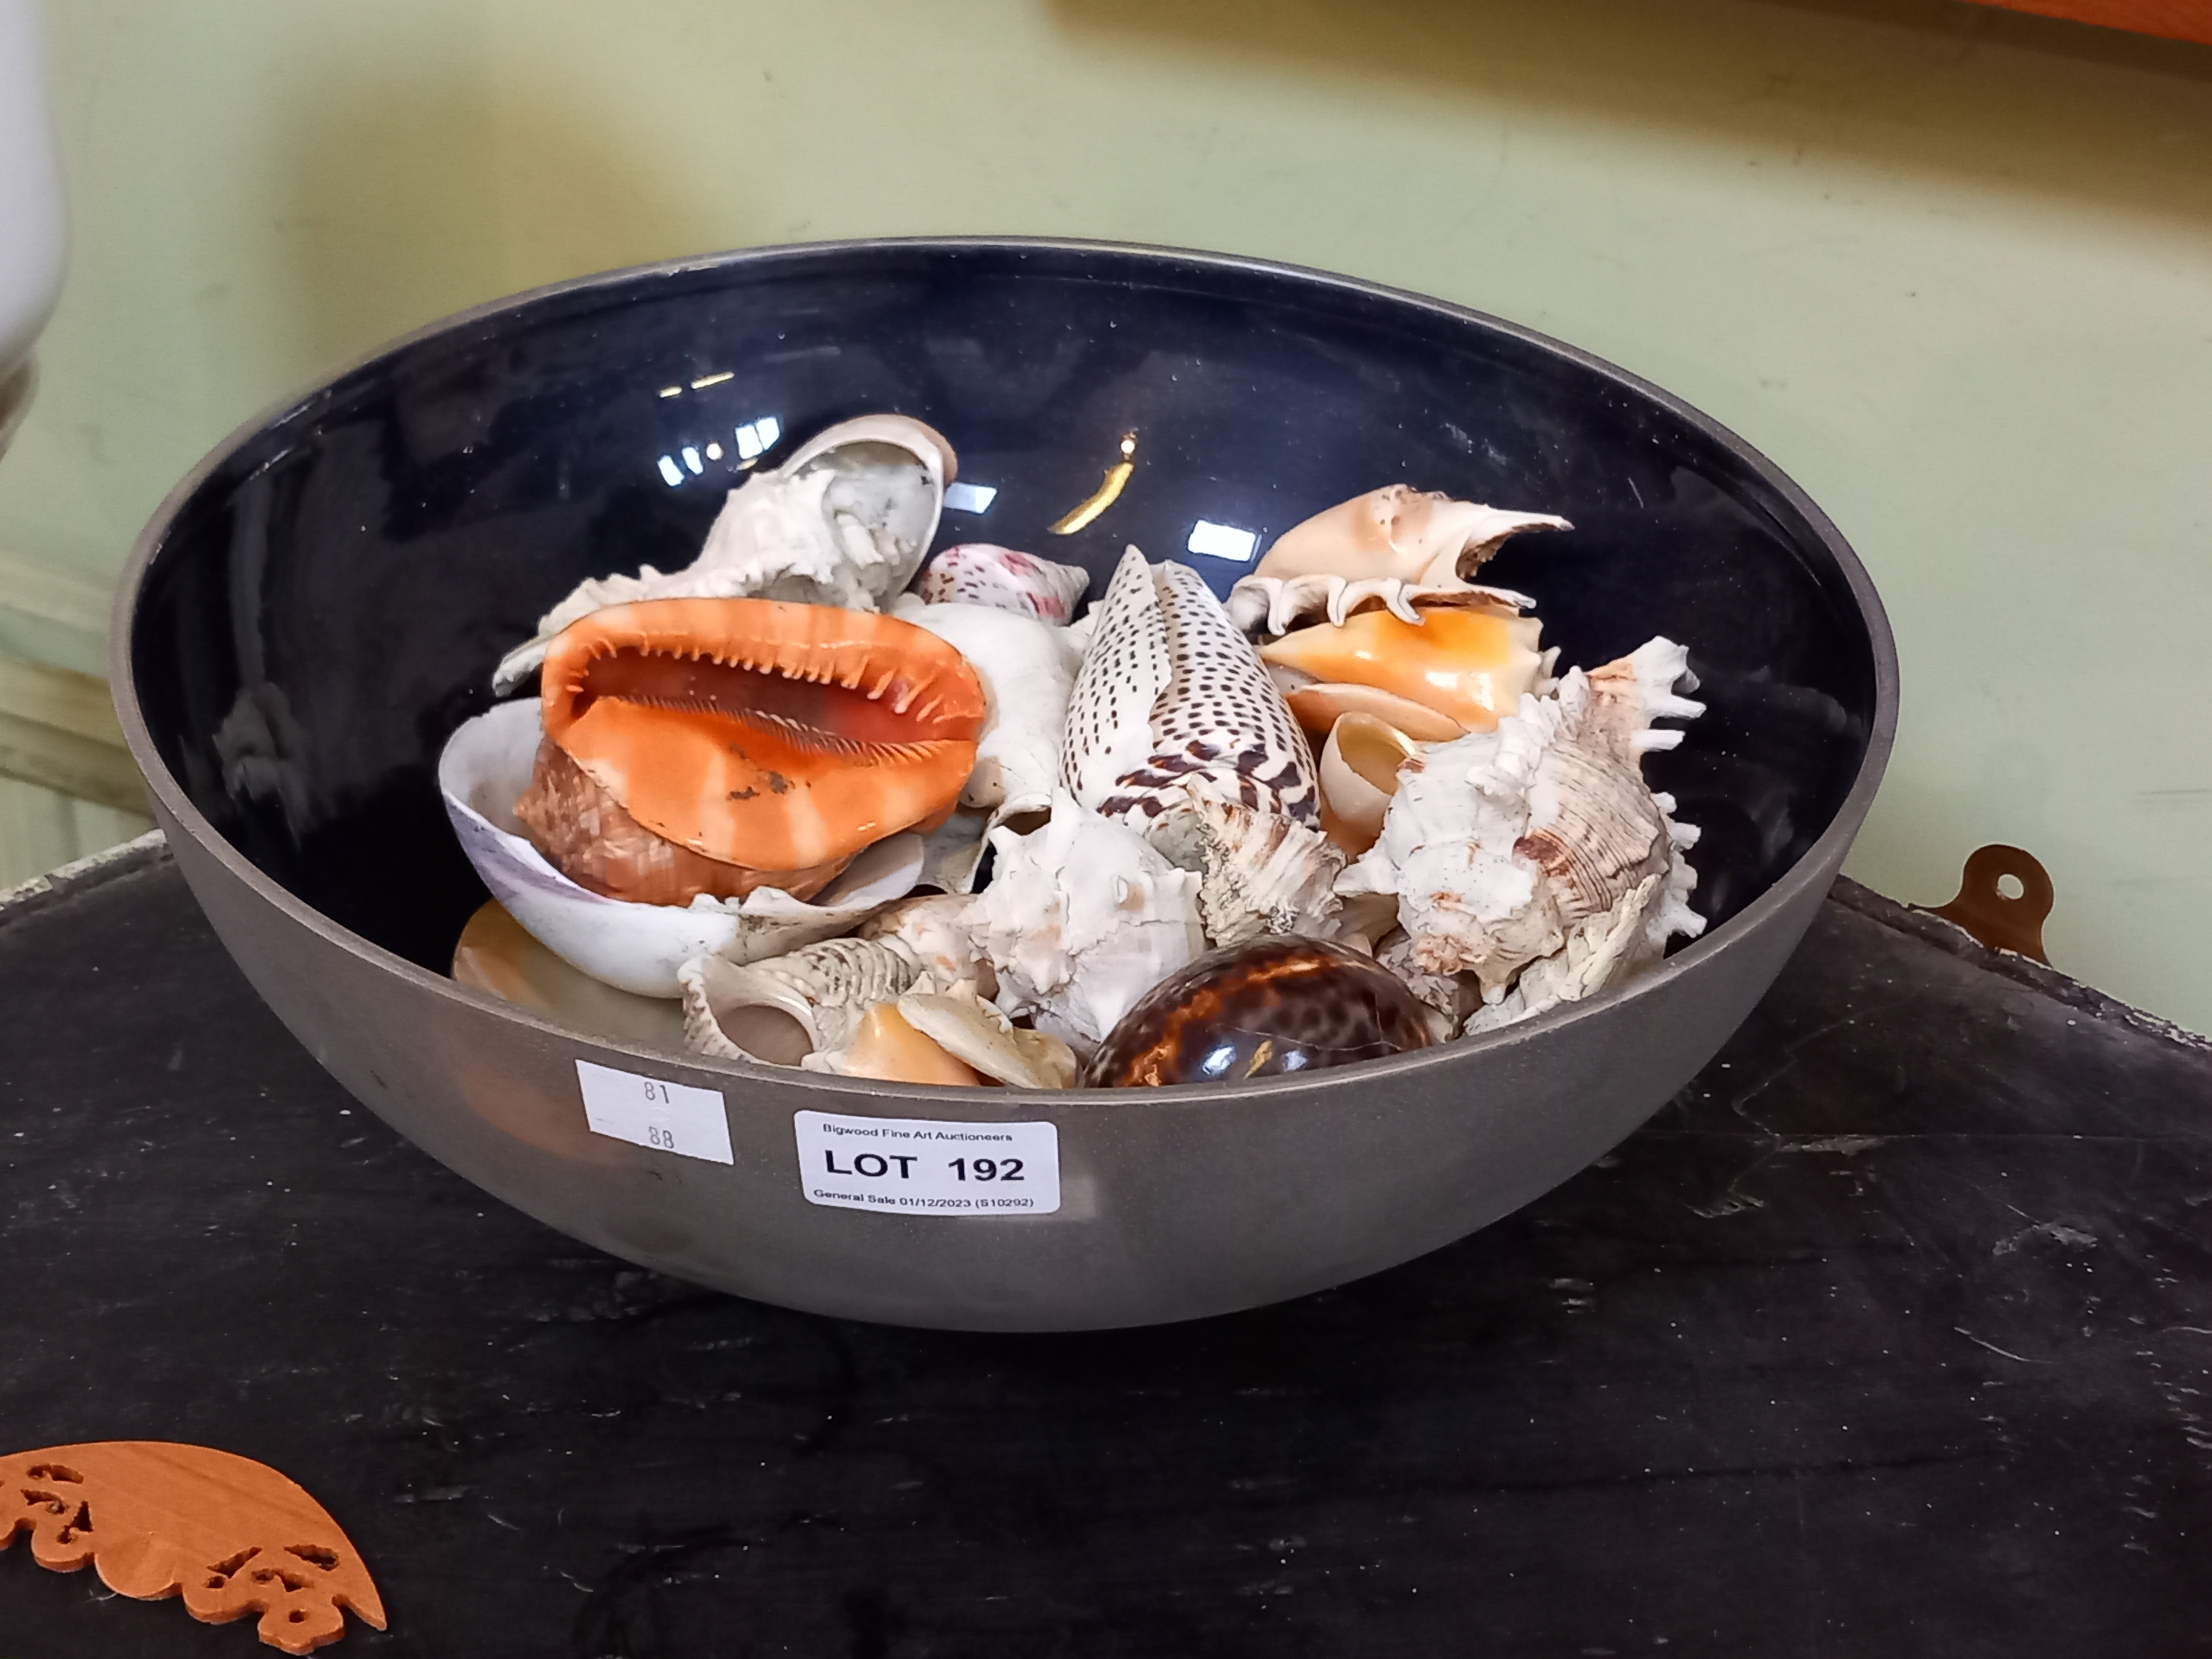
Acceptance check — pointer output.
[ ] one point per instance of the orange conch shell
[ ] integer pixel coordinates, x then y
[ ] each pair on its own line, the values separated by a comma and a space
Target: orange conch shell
1471, 663
761, 733
1318, 705
156, 1518
579, 825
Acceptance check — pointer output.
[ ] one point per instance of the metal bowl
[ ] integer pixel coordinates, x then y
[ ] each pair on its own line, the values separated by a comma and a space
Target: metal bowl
320, 603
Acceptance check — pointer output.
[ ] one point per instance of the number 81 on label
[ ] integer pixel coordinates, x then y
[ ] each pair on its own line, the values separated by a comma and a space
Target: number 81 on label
649, 1112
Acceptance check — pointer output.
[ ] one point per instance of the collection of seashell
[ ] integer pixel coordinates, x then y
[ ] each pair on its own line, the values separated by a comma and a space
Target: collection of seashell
929, 826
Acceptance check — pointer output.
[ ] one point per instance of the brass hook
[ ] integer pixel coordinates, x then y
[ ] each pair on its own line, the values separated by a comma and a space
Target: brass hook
1983, 908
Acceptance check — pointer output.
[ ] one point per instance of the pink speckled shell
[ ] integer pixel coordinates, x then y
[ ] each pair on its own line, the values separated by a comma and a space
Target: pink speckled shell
980, 573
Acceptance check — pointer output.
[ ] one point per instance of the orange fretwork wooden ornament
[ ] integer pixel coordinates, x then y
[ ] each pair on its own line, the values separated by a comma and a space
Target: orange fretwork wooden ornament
157, 1519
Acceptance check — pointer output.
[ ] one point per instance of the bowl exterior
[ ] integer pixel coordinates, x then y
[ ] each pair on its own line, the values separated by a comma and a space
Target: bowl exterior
1173, 1208
1175, 1204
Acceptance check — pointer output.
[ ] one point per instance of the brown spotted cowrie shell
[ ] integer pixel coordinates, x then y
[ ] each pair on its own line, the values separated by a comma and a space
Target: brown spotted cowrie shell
1266, 1008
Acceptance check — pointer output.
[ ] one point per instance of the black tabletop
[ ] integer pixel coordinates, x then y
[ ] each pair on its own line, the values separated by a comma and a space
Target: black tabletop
1891, 1335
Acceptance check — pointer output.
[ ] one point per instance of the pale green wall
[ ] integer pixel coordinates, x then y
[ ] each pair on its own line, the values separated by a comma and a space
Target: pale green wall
1951, 267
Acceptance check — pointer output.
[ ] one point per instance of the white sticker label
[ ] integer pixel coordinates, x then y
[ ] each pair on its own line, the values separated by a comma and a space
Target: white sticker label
923, 1166
669, 1117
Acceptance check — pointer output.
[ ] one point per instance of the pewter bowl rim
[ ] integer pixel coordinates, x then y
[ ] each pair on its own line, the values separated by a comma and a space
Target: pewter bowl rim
843, 1093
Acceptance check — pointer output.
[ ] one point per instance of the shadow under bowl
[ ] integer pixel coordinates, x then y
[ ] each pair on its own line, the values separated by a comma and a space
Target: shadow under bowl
320, 604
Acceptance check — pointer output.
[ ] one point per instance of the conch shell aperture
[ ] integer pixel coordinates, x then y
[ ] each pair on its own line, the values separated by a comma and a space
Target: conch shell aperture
755, 734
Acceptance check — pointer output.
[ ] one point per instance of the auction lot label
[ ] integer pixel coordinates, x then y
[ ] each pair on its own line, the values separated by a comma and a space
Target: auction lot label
924, 1166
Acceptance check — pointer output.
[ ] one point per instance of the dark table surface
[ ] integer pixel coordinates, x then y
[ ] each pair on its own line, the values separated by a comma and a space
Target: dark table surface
1891, 1335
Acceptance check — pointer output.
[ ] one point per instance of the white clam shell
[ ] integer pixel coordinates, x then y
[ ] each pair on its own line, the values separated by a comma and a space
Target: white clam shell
1082, 917
1028, 670
485, 767
982, 573
845, 521
1503, 843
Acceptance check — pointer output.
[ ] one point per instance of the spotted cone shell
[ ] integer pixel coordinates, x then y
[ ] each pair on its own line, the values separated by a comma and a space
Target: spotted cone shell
1173, 704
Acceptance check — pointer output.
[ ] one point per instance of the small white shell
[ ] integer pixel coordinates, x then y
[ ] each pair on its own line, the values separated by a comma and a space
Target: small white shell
1501, 842
980, 573
939, 930
1601, 951
845, 521
484, 769
1028, 669
1360, 774
977, 1035
1452, 995
1259, 871
1082, 917
823, 988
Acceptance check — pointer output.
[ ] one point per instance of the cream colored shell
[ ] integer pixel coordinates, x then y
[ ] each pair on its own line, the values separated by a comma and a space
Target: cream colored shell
1359, 766
977, 1035
1417, 536
1028, 670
